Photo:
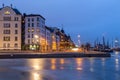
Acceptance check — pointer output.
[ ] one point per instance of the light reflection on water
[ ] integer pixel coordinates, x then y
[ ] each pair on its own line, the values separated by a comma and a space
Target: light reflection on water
36, 64
61, 69
53, 64
79, 63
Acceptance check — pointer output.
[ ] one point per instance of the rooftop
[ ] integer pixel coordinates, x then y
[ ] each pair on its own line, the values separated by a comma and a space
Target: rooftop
14, 9
33, 15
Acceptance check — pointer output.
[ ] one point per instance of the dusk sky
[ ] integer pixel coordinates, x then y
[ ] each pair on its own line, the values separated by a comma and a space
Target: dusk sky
90, 18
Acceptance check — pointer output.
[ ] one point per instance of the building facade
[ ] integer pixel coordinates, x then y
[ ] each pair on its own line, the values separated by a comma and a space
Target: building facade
66, 42
48, 39
10, 28
29, 32
35, 32
55, 39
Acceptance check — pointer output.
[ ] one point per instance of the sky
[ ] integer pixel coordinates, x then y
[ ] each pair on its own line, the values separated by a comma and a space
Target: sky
91, 19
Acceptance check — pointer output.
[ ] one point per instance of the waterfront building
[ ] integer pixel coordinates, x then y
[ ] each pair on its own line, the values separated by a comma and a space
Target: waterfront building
10, 28
48, 34
35, 32
28, 32
55, 39
65, 41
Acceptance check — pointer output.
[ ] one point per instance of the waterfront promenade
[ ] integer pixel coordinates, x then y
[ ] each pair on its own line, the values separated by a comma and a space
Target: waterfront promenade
35, 54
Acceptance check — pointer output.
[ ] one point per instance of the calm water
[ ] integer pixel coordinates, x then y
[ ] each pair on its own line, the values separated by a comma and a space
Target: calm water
61, 69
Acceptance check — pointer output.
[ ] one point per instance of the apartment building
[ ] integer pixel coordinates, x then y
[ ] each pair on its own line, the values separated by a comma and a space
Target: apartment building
35, 32
10, 28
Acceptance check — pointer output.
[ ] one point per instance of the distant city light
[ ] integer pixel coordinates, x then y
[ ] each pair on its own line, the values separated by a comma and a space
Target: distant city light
75, 49
76, 45
78, 36
116, 41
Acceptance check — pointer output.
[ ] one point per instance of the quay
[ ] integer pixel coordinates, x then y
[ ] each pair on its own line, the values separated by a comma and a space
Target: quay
52, 55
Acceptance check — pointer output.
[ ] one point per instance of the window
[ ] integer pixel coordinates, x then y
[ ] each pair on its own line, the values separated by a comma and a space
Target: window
28, 35
28, 19
16, 38
6, 38
15, 45
37, 19
28, 29
32, 19
32, 24
16, 25
16, 31
16, 18
38, 30
6, 32
28, 24
37, 24
32, 30
32, 35
6, 25
28, 41
7, 18
4, 45
8, 45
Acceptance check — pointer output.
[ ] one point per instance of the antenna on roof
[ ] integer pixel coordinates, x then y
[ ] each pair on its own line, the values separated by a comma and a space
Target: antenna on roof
3, 5
11, 5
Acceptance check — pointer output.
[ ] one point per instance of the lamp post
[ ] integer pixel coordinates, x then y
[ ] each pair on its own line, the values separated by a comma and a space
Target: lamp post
78, 40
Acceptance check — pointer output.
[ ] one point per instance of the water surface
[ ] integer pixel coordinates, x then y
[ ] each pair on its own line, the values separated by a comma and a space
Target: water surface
61, 68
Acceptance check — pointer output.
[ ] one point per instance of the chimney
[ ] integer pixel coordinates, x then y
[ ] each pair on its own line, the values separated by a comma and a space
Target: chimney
11, 5
3, 5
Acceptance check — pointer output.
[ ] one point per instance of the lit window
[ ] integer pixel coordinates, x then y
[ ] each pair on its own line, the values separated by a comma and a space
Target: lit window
32, 29
28, 29
8, 45
4, 45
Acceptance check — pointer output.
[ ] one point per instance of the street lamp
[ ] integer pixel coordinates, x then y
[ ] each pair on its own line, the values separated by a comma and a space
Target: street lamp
36, 36
79, 40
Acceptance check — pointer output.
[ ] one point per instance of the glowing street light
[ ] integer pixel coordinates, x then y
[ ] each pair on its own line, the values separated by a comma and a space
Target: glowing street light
36, 36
